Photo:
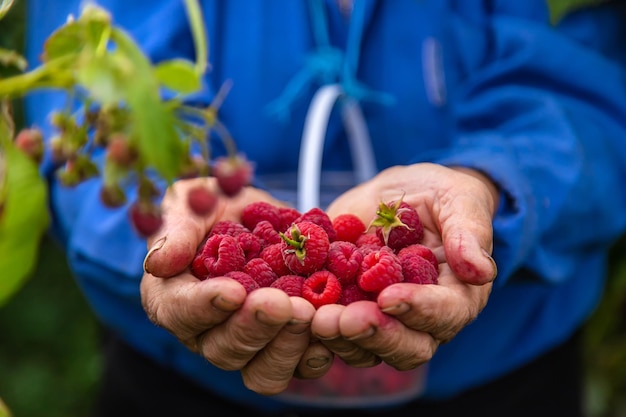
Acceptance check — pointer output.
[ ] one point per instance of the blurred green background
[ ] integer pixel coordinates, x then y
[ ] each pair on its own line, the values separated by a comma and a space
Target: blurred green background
49, 359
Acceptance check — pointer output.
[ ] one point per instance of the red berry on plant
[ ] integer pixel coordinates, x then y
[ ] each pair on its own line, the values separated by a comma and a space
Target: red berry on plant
146, 218
119, 150
321, 288
232, 173
30, 141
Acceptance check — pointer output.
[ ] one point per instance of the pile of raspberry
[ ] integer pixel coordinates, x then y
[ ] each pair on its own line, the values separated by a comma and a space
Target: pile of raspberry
308, 255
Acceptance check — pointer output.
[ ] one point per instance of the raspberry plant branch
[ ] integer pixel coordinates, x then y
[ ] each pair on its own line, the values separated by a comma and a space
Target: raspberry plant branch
117, 100
198, 32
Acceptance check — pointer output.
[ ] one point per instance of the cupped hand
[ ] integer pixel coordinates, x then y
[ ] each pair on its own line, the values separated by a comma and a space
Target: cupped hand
408, 322
265, 334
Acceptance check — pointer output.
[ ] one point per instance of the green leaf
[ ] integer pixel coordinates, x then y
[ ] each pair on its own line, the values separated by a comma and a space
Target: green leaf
66, 40
178, 75
5, 6
154, 122
9, 57
90, 31
23, 222
4, 410
199, 34
158, 141
104, 76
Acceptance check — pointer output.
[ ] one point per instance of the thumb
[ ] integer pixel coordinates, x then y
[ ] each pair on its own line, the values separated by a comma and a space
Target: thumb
469, 256
468, 235
172, 250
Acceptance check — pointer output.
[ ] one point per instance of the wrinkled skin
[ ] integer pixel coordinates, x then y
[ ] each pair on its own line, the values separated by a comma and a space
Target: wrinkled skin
270, 337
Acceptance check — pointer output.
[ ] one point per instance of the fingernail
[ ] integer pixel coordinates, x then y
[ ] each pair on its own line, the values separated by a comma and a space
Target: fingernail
493, 263
317, 363
266, 319
155, 247
224, 304
368, 333
296, 326
397, 309
326, 338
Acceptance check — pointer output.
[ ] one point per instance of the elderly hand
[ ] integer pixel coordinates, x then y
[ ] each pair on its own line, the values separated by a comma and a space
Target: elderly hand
266, 334
409, 321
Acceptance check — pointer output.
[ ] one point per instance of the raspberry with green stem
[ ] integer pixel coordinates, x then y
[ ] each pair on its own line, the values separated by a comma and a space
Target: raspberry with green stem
305, 247
398, 224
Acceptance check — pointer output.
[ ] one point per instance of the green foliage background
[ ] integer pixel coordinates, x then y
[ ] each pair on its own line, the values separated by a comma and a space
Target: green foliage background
49, 358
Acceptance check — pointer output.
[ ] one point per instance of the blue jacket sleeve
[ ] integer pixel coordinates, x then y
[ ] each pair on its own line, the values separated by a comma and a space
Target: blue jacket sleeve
544, 114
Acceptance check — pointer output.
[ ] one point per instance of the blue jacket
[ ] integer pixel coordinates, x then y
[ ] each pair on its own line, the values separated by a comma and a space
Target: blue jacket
490, 85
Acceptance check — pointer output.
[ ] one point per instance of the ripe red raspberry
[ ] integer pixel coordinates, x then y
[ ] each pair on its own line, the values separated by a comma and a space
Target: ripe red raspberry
244, 279
201, 200
368, 243
349, 227
305, 247
379, 270
265, 231
146, 218
321, 288
344, 260
288, 215
257, 211
222, 254
119, 151
232, 173
198, 268
352, 292
30, 141
418, 249
291, 284
273, 255
319, 217
260, 271
417, 269
398, 225
228, 227
250, 243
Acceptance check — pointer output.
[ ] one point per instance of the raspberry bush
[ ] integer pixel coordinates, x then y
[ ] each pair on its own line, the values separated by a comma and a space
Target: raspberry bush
116, 107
